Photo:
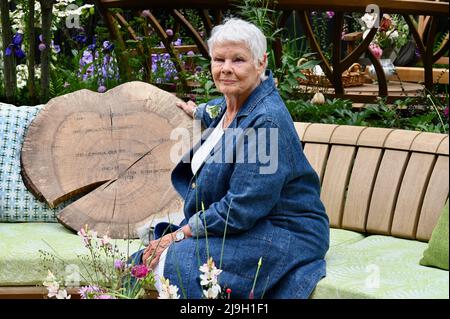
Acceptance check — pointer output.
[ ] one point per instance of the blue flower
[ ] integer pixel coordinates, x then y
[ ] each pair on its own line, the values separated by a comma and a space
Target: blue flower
80, 38
15, 46
108, 46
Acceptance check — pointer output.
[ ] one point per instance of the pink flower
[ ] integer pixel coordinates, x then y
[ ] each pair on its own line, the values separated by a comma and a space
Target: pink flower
145, 13
118, 264
41, 47
446, 111
376, 50
330, 14
169, 32
87, 291
139, 271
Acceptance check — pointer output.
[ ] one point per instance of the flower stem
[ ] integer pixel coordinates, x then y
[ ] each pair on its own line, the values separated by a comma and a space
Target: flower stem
257, 272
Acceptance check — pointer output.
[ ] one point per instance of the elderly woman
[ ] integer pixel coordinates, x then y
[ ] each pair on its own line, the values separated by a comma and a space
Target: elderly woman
238, 210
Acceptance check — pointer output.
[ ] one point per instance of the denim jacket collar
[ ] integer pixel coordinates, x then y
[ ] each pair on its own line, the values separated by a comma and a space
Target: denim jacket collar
263, 89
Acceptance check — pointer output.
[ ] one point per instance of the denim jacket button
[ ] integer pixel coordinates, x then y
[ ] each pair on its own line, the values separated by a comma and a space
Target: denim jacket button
193, 185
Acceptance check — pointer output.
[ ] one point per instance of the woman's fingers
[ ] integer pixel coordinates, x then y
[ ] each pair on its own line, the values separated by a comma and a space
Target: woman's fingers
186, 107
155, 248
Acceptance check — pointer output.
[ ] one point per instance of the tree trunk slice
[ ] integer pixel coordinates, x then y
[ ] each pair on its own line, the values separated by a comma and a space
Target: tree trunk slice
116, 148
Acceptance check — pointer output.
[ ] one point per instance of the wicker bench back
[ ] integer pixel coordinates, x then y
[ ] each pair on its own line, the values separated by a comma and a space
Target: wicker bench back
378, 180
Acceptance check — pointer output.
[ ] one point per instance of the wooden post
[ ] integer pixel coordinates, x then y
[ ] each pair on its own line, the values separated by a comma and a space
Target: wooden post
113, 28
31, 52
46, 9
9, 65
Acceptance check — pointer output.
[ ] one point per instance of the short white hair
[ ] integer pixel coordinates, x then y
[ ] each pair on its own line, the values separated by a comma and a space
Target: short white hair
238, 30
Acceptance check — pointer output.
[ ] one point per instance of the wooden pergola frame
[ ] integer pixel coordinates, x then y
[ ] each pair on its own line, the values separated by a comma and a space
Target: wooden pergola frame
210, 12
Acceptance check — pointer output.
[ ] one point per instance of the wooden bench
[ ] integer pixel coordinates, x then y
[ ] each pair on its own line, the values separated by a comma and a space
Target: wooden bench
389, 186
375, 181
379, 180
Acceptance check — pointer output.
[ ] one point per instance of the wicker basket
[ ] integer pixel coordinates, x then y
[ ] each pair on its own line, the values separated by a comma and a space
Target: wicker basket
351, 77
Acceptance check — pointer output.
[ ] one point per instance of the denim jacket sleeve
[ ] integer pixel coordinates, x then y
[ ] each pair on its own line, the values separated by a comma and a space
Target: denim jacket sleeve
252, 193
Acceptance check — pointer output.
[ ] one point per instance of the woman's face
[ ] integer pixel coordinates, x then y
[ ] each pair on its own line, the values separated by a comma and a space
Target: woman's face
234, 70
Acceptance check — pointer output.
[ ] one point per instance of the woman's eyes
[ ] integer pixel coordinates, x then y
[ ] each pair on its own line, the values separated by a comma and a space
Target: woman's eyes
221, 60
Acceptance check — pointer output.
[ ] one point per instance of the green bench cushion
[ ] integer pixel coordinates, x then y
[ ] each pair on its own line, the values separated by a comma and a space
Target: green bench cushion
20, 260
381, 267
342, 237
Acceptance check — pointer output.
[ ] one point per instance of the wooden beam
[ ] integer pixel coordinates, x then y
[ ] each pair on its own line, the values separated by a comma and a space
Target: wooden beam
416, 74
422, 7
31, 292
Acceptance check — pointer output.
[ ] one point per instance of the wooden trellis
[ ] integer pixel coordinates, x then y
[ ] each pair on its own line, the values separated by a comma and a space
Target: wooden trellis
211, 12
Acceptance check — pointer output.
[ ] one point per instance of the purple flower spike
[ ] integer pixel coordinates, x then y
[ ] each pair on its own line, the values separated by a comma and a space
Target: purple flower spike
177, 42
108, 46
19, 53
15, 47
8, 50
17, 39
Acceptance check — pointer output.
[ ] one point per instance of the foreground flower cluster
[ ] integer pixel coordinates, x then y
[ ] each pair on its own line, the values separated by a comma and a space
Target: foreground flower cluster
107, 270
111, 275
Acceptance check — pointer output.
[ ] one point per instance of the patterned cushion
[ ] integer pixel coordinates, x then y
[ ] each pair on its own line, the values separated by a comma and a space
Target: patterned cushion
17, 204
382, 267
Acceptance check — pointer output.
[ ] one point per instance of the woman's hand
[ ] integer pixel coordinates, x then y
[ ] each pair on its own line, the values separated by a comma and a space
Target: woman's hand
187, 107
155, 249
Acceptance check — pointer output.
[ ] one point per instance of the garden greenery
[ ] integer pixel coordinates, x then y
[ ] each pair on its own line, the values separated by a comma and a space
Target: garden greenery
85, 57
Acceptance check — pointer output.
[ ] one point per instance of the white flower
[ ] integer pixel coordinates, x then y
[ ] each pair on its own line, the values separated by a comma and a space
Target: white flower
213, 110
212, 292
53, 287
62, 294
210, 273
209, 279
52, 290
369, 19
393, 35
168, 291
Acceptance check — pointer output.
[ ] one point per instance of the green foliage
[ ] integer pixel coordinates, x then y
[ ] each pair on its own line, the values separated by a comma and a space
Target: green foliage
206, 89
403, 114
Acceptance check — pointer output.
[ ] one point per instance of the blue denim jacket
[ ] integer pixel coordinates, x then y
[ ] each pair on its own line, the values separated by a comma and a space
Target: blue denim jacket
248, 215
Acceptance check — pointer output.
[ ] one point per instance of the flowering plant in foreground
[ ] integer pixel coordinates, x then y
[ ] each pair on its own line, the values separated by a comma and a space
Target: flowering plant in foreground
107, 271
110, 275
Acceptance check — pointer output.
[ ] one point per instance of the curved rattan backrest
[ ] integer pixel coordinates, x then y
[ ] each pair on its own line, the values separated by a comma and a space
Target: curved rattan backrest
378, 180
